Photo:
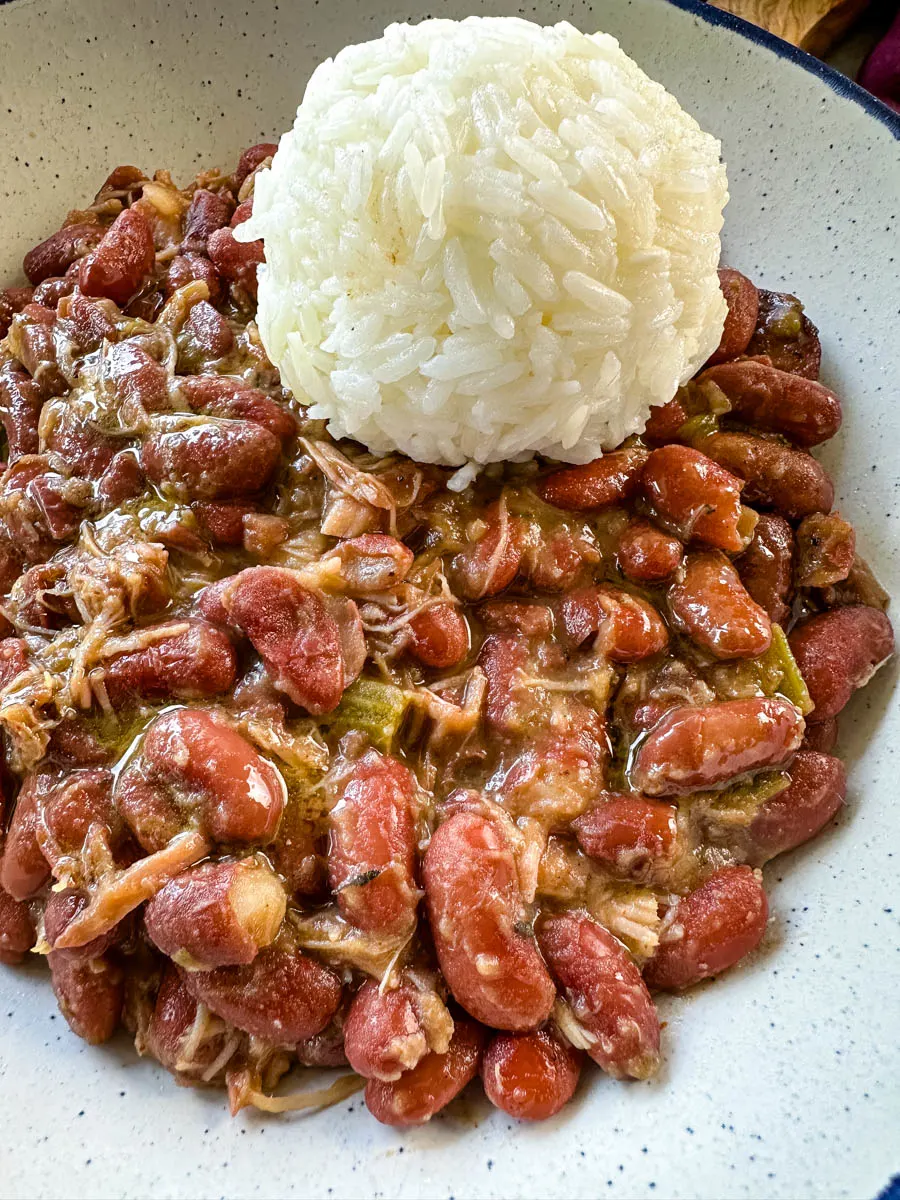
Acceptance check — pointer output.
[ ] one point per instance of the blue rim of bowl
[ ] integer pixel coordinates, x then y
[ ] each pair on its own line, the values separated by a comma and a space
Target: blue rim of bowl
836, 81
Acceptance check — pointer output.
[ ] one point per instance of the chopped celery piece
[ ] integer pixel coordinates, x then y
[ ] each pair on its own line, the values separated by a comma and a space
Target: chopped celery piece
698, 427
372, 707
779, 673
736, 806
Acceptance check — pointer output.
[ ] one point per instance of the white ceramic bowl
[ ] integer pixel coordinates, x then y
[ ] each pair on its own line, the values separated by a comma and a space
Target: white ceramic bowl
780, 1080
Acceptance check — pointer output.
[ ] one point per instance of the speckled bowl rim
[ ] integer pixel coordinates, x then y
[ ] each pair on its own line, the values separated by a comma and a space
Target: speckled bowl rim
846, 87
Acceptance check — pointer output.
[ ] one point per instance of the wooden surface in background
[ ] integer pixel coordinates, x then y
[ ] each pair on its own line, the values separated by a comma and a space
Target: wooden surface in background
813, 25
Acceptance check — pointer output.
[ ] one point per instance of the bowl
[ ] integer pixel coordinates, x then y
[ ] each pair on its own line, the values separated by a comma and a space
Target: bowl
780, 1079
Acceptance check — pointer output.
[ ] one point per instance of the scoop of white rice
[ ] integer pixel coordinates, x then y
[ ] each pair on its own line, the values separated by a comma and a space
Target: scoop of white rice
486, 239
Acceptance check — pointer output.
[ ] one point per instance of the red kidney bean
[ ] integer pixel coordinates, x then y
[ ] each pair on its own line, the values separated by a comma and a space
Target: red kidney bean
56, 515
73, 744
221, 396
839, 651
554, 559
826, 550
711, 605
766, 567
240, 794
297, 853
786, 336
628, 628
88, 322
122, 480
439, 636
137, 379
185, 268
190, 664
56, 254
742, 299
264, 533
17, 935
605, 991
13, 659
242, 213
12, 301
790, 818
283, 996
80, 801
387, 1032
221, 523
325, 1049
59, 912
90, 994
297, 638
208, 212
821, 736
171, 1022
52, 290
372, 562
692, 748
437, 1079
489, 565
20, 410
507, 703
149, 808
124, 178
801, 409
215, 460
371, 861
530, 1076
121, 262
628, 834
206, 335
23, 868
692, 493
31, 339
251, 158
511, 616
789, 481
555, 780
605, 481
236, 261
84, 448
709, 930
647, 555
664, 422
217, 914
478, 921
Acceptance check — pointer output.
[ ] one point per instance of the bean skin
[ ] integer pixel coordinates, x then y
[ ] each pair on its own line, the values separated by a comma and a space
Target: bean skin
437, 1079
191, 664
439, 636
488, 958
17, 934
489, 565
605, 991
530, 1076
691, 492
251, 159
605, 481
90, 994
803, 410
628, 834
789, 481
742, 299
790, 818
215, 460
118, 265
713, 607
56, 254
390, 1031
839, 651
693, 748
627, 627
766, 567
647, 555
709, 930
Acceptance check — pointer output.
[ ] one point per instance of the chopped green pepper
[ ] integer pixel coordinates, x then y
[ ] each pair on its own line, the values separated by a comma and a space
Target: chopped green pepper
699, 427
778, 672
372, 707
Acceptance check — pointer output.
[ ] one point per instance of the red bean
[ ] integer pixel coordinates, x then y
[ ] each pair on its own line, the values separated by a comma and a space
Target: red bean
122, 480
214, 460
56, 254
512, 616
821, 736
709, 930
608, 480
713, 607
90, 995
236, 261
530, 1076
80, 802
628, 628
17, 935
766, 567
692, 748
88, 322
801, 409
189, 664
418, 1094
222, 524
490, 564
478, 921
20, 410
742, 299
664, 422
171, 1023
790, 818
208, 212
439, 636
786, 336
297, 638
12, 301
390, 1031
839, 651
373, 562
371, 862
251, 158
554, 559
605, 991
646, 554
23, 868
185, 268
283, 996
692, 493
121, 262
138, 380
508, 703
206, 335
789, 481
60, 911
31, 339
222, 396
628, 834
826, 550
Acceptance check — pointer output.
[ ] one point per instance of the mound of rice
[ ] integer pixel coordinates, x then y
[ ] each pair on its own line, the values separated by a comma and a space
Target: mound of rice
486, 239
